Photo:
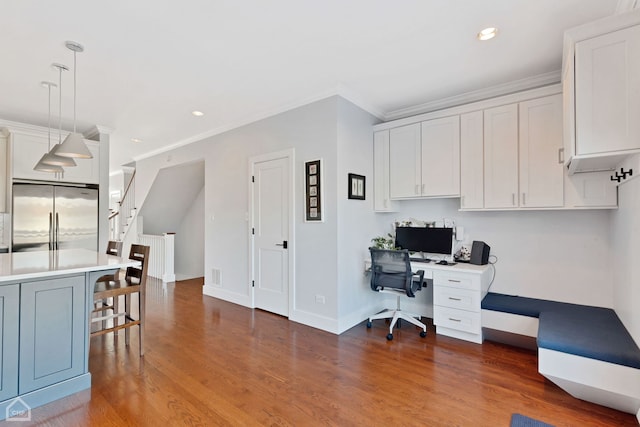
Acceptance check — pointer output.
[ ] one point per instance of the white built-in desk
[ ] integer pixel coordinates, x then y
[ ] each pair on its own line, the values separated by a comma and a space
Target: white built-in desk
458, 291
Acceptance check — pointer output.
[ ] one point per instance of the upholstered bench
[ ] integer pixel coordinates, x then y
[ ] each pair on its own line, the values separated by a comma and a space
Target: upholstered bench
585, 350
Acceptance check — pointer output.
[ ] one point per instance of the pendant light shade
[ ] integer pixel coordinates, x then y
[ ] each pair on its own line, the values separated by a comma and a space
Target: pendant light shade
42, 166
51, 158
73, 145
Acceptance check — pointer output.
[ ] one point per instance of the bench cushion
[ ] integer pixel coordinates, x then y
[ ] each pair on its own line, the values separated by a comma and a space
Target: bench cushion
593, 332
523, 306
582, 330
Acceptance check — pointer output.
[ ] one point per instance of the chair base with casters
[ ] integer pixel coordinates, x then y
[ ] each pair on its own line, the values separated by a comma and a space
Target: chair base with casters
396, 315
391, 274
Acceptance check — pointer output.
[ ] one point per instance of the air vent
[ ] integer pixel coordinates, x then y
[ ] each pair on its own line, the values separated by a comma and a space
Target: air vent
216, 277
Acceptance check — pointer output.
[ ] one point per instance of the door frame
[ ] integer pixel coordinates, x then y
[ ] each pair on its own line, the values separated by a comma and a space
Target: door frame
288, 154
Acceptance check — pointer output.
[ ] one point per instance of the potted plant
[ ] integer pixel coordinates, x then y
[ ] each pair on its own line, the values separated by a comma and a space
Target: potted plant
384, 242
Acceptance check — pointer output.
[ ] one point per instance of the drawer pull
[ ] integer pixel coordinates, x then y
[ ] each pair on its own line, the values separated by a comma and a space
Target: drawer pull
453, 281
454, 320
455, 299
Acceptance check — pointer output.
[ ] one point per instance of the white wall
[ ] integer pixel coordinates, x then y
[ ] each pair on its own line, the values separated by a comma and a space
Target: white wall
556, 255
189, 241
356, 219
625, 230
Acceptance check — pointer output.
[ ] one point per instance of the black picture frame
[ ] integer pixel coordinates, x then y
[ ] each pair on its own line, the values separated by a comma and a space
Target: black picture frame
357, 187
313, 191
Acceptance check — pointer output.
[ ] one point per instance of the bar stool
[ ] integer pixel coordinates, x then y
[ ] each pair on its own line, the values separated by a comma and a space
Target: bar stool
134, 282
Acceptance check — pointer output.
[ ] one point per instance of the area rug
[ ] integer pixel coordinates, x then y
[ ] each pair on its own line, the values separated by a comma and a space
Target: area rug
518, 420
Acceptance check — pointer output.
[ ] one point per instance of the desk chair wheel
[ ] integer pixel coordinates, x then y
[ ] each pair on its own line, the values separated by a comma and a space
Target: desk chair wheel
389, 337
369, 325
423, 334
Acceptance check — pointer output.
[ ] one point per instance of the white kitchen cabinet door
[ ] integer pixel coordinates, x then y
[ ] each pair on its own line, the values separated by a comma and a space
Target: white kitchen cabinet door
381, 200
3, 173
405, 159
441, 157
501, 157
27, 150
541, 163
471, 161
607, 92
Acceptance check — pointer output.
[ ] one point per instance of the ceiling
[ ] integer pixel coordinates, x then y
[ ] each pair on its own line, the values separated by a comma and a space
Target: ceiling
148, 63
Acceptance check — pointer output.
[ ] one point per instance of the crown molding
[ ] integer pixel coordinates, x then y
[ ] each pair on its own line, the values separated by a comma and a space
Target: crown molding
96, 130
29, 129
477, 95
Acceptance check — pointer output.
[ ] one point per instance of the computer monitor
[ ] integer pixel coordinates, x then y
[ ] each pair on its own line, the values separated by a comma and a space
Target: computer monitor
431, 240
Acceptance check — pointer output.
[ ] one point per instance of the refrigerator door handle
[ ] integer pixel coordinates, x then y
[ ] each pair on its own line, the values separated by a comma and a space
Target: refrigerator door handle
57, 229
50, 231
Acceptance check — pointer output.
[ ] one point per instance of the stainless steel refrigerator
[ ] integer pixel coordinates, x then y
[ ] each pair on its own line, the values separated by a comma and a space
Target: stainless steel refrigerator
47, 217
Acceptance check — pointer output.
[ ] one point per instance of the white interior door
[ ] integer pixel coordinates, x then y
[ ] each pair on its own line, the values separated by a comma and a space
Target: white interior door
271, 224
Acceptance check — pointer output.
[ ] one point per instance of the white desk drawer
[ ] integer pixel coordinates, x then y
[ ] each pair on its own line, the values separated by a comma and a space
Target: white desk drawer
460, 320
461, 299
456, 280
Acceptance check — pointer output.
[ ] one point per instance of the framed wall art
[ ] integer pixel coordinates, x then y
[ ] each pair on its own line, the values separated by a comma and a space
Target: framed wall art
313, 191
356, 187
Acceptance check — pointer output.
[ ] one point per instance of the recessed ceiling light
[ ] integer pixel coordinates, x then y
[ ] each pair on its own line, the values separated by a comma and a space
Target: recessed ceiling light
487, 33
136, 140
197, 113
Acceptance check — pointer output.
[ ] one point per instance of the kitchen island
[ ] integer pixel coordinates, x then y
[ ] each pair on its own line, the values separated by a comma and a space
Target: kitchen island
46, 299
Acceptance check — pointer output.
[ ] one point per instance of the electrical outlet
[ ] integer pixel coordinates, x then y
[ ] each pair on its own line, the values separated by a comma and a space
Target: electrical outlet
320, 299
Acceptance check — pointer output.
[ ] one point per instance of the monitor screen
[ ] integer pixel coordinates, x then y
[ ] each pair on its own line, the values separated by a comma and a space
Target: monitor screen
425, 239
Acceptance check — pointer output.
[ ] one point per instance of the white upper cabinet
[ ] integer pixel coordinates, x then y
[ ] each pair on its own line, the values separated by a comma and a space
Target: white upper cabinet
471, 161
405, 157
540, 146
27, 149
601, 84
441, 157
608, 92
501, 157
381, 199
424, 159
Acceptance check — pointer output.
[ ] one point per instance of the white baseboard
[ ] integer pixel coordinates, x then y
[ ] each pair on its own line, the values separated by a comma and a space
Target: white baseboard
315, 321
225, 295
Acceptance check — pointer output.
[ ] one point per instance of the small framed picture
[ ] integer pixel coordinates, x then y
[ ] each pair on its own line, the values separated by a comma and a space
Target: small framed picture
313, 191
356, 187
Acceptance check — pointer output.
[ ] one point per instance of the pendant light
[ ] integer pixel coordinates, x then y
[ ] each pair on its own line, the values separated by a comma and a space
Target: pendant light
41, 166
73, 145
52, 158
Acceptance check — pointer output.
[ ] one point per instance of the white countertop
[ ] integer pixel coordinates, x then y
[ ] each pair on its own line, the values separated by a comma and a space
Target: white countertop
18, 266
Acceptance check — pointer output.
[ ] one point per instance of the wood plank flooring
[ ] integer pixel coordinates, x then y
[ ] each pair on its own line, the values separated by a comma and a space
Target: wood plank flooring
209, 362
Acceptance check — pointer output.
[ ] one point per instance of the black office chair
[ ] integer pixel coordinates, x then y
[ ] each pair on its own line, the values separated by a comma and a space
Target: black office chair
391, 273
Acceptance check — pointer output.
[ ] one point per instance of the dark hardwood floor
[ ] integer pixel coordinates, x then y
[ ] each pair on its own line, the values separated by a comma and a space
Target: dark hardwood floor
209, 362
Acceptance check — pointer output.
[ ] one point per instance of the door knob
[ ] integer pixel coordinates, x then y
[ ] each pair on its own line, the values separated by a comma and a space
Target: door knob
283, 244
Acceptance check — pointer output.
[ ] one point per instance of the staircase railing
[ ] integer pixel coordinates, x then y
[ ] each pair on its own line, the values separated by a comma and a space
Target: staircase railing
120, 220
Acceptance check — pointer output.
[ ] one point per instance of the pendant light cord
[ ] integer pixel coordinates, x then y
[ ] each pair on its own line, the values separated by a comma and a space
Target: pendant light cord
49, 120
74, 91
60, 107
